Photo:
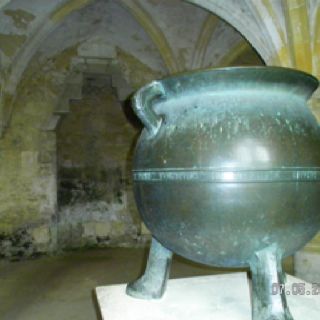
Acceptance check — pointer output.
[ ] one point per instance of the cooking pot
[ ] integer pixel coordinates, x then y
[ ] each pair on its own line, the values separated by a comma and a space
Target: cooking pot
227, 173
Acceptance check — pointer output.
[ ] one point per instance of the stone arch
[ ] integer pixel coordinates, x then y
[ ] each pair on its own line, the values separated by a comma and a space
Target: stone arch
47, 25
20, 62
71, 89
60, 13
155, 34
208, 27
242, 16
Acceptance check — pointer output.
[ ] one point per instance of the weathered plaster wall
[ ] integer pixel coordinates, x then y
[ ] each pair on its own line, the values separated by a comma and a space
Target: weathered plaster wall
27, 179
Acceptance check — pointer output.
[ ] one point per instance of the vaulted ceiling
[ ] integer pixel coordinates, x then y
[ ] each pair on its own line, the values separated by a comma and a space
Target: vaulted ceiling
166, 36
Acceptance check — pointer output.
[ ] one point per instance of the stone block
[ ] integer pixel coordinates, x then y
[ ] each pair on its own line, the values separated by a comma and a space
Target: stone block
307, 266
144, 229
103, 229
41, 235
96, 229
118, 228
97, 47
29, 161
52, 123
217, 297
89, 229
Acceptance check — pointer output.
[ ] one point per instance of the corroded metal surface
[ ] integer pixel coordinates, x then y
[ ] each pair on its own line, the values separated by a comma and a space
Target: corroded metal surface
228, 164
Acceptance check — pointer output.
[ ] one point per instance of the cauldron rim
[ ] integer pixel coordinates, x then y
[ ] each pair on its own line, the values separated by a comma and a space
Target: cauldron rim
274, 69
297, 81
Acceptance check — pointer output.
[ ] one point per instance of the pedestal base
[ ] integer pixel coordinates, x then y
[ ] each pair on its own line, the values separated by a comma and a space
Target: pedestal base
217, 297
307, 265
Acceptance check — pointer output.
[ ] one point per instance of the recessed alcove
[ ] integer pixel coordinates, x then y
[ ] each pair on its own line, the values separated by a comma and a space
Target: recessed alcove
95, 143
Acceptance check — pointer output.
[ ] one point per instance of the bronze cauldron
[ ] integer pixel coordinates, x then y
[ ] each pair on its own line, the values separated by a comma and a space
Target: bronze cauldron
227, 173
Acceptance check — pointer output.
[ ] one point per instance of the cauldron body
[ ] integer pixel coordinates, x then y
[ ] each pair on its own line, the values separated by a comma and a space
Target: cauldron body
229, 163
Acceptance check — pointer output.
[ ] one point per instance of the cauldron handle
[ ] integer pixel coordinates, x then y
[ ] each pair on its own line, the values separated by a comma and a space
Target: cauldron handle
142, 105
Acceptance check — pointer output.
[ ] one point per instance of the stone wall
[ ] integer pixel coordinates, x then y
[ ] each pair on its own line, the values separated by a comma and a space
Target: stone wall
95, 143
27, 179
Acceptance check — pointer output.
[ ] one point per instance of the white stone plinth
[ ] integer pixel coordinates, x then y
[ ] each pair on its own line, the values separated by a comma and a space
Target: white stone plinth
307, 265
217, 297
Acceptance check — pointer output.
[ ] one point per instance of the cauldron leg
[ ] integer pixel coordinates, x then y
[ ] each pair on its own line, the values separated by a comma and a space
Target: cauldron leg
153, 283
268, 296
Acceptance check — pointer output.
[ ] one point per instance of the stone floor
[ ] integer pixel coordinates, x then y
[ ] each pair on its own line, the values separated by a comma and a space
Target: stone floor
61, 287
